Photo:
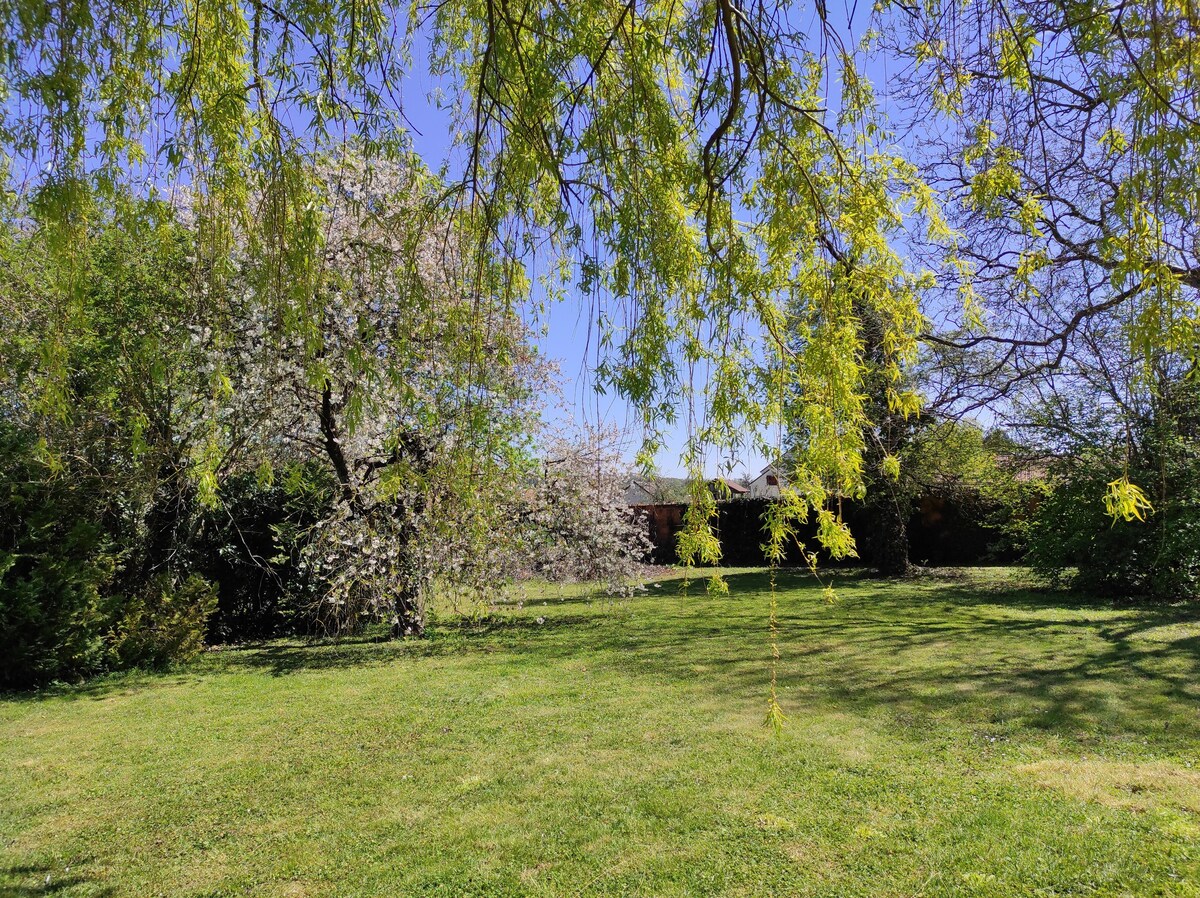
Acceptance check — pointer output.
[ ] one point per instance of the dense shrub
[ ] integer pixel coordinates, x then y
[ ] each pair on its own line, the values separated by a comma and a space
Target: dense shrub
578, 525
1073, 541
83, 588
67, 609
250, 548
1073, 538
164, 622
55, 566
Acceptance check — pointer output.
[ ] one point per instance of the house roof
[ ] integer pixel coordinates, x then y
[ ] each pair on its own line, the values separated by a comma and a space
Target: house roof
770, 469
734, 487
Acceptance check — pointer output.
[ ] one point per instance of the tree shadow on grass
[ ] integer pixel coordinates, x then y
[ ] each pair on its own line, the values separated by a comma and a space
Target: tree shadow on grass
995, 657
934, 648
30, 880
447, 639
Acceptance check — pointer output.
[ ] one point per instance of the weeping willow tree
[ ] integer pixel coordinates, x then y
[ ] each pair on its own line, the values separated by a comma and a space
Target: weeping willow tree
705, 171
680, 165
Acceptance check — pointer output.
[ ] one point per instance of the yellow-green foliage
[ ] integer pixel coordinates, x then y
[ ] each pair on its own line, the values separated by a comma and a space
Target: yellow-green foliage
1075, 136
591, 124
1126, 501
675, 161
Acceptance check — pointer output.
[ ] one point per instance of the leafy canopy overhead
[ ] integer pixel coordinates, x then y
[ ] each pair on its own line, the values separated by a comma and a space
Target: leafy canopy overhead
1064, 149
717, 174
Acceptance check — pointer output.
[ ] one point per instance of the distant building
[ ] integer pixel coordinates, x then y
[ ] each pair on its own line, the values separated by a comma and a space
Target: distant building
724, 488
766, 484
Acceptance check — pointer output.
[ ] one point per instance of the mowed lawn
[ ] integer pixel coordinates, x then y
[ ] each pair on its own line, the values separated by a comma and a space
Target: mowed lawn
944, 737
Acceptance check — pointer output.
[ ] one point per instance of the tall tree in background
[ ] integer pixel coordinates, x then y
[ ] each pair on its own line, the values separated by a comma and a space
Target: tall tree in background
675, 161
887, 433
115, 493
906, 456
418, 393
1062, 138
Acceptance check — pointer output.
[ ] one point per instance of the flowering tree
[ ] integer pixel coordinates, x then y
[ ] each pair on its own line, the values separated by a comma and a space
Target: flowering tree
675, 161
704, 170
580, 525
404, 384
411, 379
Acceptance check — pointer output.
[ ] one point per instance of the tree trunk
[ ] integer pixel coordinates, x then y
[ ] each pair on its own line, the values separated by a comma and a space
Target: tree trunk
333, 444
408, 605
891, 539
166, 519
408, 616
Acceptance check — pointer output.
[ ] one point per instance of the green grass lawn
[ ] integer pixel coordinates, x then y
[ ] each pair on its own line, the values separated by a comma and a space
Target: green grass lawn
944, 737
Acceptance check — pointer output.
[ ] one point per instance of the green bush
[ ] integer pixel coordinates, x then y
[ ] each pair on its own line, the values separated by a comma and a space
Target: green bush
52, 607
56, 564
77, 593
68, 607
249, 549
165, 622
1074, 542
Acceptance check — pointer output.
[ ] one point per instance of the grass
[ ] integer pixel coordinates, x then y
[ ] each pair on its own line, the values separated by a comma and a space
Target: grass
944, 737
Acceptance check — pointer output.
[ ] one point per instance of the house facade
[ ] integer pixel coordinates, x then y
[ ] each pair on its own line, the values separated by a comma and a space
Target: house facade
766, 484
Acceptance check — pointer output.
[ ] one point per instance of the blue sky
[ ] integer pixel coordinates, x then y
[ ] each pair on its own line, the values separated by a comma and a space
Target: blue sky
570, 336
570, 329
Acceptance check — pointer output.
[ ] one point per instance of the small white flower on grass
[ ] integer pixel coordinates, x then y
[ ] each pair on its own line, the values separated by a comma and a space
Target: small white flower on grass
541, 620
